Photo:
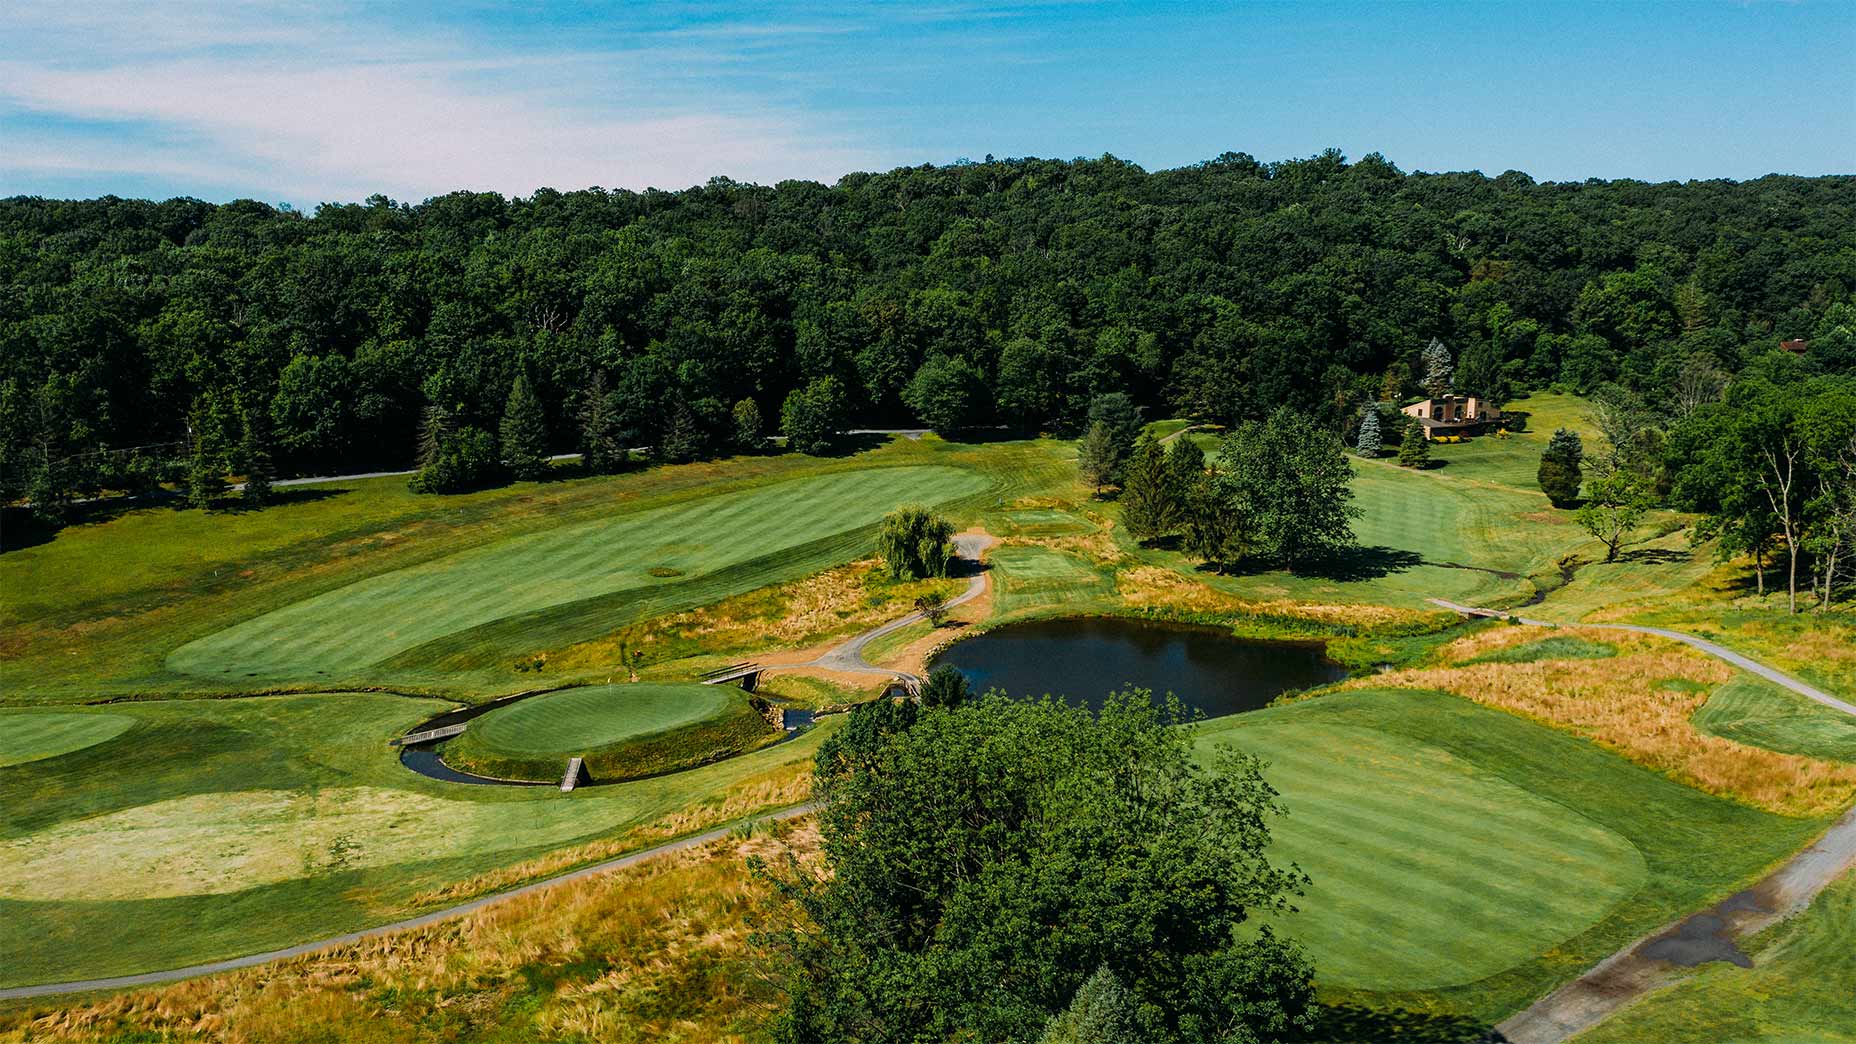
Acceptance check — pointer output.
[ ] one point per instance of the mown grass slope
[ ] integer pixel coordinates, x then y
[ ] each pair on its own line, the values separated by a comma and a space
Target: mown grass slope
220, 827
1464, 861
335, 634
29, 736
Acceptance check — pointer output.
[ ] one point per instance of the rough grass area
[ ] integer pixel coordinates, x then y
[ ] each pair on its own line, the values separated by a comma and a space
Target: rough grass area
1754, 711
1451, 873
33, 735
220, 827
334, 635
1372, 816
656, 952
1639, 703
1558, 647
1800, 990
622, 731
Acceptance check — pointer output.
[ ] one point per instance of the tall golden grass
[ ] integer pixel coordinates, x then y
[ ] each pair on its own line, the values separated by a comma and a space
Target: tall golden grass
1625, 703
780, 788
656, 952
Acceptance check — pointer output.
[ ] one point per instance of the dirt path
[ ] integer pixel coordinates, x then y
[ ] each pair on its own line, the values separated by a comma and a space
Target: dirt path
156, 978
848, 657
1658, 959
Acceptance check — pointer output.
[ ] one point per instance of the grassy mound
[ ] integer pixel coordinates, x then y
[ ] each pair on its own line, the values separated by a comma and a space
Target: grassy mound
331, 635
623, 732
33, 735
1558, 647
1761, 714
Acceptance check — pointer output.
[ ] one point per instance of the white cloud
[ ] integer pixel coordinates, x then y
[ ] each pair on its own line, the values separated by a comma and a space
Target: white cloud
320, 107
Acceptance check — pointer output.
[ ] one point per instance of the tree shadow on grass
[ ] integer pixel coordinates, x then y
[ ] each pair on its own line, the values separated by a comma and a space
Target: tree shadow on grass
1655, 556
1355, 564
279, 498
1352, 1023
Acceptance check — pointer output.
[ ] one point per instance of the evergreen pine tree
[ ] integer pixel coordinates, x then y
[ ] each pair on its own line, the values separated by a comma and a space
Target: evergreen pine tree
1369, 442
682, 441
1437, 369
599, 429
205, 469
1185, 465
1103, 1011
1414, 450
1097, 457
434, 428
1559, 475
255, 450
524, 433
1147, 507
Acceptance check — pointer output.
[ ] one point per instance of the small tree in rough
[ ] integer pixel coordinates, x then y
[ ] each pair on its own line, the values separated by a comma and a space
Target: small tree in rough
1437, 369
945, 686
1098, 462
1559, 474
1615, 503
434, 427
1369, 442
914, 544
932, 608
1185, 465
1147, 505
524, 432
748, 435
1414, 450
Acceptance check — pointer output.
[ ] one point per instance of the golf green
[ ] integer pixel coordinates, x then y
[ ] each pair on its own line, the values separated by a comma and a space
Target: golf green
34, 735
596, 716
1427, 871
333, 634
622, 732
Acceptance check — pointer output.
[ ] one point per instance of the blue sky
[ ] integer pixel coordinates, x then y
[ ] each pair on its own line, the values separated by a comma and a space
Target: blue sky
310, 102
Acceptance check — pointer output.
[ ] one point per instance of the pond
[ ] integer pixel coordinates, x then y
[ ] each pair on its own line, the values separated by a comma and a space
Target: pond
1084, 659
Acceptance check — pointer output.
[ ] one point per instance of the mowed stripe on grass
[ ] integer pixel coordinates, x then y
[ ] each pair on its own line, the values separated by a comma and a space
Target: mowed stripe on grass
1426, 871
332, 634
580, 719
31, 735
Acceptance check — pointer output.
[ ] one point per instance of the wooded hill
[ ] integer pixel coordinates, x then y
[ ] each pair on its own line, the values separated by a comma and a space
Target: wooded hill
1010, 291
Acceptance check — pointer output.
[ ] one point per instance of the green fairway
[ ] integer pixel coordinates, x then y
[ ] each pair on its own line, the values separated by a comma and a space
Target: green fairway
219, 827
1426, 872
623, 732
1464, 861
1759, 713
32, 735
1800, 990
335, 634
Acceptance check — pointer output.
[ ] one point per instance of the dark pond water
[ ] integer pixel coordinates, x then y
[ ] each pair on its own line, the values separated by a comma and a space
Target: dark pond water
1085, 659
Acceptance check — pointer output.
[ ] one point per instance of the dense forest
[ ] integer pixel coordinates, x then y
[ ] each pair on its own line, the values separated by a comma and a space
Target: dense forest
133, 333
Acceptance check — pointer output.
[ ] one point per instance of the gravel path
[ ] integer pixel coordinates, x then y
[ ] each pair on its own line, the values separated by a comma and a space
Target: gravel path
156, 978
849, 656
1657, 959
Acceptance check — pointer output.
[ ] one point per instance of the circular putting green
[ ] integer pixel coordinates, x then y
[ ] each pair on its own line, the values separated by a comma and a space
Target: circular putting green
622, 732
36, 735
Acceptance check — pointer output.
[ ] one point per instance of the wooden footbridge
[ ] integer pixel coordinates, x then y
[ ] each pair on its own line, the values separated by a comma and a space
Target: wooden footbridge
747, 673
429, 735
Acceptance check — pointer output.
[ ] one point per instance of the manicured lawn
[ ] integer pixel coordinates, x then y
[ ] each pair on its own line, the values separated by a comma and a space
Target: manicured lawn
1752, 710
1037, 578
1800, 990
1465, 861
338, 634
32, 735
218, 827
622, 731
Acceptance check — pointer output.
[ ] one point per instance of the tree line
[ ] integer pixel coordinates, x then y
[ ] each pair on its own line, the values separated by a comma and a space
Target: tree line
186, 342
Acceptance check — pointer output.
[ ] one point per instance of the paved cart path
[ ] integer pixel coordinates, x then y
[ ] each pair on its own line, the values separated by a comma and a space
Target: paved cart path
1658, 959
156, 978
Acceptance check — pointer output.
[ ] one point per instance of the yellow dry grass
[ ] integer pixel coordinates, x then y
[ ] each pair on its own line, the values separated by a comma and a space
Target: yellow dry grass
1625, 703
784, 787
1157, 587
847, 598
656, 952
